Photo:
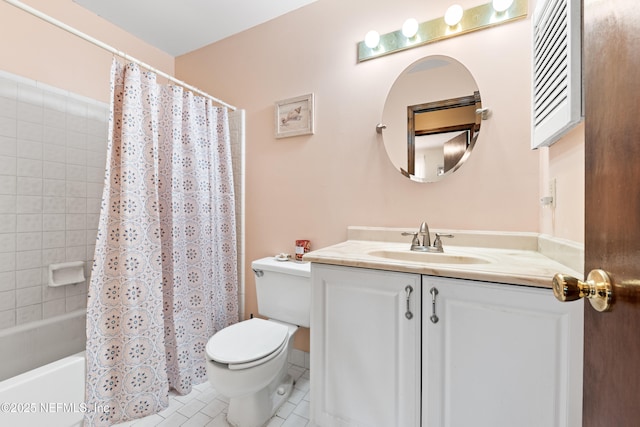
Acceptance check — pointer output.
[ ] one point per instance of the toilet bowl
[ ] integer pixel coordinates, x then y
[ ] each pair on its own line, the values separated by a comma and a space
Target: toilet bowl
247, 361
252, 372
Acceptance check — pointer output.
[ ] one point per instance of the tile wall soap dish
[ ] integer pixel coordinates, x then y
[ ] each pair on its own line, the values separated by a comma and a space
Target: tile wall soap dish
66, 273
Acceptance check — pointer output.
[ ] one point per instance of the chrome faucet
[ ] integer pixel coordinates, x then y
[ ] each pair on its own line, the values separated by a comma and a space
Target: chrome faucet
415, 242
424, 232
437, 243
426, 246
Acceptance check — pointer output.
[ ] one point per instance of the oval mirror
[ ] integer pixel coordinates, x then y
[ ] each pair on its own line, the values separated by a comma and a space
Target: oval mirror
431, 118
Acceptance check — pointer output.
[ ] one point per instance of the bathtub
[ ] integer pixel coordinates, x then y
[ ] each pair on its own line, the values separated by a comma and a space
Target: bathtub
26, 347
42, 372
51, 395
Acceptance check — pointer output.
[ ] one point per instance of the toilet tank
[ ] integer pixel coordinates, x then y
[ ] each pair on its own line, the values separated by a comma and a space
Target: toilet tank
283, 290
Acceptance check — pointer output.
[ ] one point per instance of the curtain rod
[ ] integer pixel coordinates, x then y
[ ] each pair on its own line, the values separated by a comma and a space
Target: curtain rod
113, 50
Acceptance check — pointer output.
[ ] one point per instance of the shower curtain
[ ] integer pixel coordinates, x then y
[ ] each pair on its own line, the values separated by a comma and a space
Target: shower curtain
164, 278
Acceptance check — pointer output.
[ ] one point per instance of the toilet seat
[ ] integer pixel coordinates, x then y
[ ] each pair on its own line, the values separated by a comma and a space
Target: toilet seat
248, 343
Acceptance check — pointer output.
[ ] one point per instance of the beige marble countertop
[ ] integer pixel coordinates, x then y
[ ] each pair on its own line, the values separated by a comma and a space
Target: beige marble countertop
517, 262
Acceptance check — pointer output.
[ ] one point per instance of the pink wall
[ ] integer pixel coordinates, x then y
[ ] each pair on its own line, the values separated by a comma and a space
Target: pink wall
315, 186
564, 162
39, 51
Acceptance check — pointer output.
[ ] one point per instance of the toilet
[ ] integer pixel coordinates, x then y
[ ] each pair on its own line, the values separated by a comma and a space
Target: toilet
247, 361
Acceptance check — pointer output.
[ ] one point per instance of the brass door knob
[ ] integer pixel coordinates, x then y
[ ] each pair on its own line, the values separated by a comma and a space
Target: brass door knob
598, 289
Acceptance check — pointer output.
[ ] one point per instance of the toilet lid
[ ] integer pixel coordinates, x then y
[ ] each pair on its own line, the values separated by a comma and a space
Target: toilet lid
246, 341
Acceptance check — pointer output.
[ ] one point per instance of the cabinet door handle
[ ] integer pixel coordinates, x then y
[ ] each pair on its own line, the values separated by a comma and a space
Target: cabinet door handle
433, 318
408, 314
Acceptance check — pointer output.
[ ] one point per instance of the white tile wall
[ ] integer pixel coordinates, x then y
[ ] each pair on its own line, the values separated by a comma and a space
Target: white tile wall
52, 156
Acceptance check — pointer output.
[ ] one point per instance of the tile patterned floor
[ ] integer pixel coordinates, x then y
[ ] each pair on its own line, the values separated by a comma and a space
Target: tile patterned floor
204, 407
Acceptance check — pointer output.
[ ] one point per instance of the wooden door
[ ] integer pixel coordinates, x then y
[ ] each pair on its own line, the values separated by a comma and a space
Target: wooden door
612, 209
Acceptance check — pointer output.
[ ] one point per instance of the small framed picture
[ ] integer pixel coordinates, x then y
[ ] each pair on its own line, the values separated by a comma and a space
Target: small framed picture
294, 116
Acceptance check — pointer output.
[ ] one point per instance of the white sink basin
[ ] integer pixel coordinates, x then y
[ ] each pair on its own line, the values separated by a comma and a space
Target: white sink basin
429, 257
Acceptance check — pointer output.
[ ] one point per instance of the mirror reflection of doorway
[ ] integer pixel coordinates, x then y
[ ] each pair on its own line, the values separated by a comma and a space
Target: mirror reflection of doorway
439, 134
438, 153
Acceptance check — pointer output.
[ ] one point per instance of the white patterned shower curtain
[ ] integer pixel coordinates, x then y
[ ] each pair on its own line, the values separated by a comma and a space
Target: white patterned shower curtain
164, 278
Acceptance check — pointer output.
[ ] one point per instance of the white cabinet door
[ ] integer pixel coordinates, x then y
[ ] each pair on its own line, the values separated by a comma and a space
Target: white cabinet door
365, 351
500, 356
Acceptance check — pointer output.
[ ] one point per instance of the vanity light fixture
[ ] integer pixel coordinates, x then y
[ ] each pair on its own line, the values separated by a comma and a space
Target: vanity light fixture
410, 28
453, 15
477, 18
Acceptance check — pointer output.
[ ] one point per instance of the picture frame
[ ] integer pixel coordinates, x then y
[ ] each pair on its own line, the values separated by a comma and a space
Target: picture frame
294, 116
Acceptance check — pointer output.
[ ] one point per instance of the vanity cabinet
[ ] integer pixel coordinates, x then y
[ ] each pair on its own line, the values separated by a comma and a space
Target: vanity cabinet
471, 353
499, 355
365, 344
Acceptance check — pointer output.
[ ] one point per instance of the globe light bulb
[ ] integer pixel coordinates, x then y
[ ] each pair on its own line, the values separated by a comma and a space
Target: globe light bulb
372, 39
453, 15
502, 5
410, 28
